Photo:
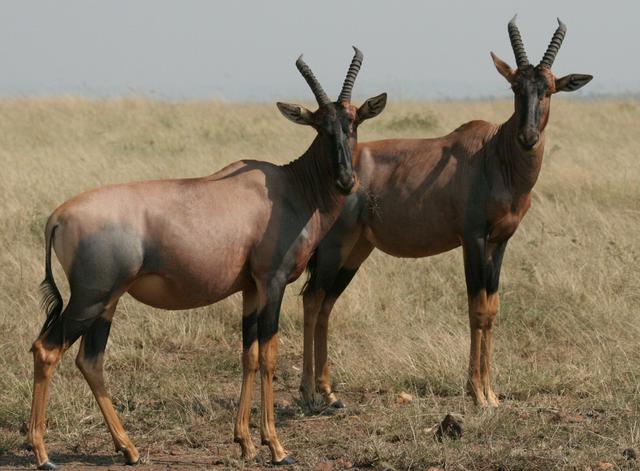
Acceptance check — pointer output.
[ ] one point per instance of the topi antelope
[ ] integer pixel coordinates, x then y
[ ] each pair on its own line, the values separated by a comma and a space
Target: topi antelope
180, 244
470, 188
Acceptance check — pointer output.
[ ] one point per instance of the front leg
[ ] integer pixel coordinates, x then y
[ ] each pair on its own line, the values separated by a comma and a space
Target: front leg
495, 253
482, 263
250, 364
268, 320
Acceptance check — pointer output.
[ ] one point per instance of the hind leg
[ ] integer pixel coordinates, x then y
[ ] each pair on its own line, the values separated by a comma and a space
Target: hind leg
47, 351
90, 361
99, 265
358, 255
319, 295
45, 359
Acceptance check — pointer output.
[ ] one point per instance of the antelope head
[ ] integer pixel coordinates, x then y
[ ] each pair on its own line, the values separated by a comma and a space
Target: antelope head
336, 122
534, 85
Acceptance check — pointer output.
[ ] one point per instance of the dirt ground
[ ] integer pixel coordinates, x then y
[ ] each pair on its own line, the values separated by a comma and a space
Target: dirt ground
566, 349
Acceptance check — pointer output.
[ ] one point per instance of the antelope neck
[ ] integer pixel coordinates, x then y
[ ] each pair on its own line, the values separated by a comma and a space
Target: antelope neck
311, 176
518, 167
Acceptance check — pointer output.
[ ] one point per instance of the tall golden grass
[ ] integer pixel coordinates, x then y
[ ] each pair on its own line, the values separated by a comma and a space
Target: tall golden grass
567, 342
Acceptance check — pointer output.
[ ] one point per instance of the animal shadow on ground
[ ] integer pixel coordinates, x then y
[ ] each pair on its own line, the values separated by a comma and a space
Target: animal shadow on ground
11, 460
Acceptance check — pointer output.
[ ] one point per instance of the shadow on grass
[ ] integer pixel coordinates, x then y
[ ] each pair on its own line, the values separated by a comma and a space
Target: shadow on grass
79, 461
11, 460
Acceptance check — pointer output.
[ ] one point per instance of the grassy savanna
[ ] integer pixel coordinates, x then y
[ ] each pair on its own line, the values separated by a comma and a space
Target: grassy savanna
567, 343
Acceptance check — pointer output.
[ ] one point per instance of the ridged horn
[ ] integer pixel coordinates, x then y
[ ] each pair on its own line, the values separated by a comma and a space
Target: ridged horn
354, 68
516, 43
316, 88
554, 45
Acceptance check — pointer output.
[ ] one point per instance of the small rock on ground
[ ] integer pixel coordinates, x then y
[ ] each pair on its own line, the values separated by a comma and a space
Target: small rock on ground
404, 398
450, 428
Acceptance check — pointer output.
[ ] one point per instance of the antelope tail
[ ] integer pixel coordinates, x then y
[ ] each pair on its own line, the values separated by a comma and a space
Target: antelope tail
312, 274
51, 300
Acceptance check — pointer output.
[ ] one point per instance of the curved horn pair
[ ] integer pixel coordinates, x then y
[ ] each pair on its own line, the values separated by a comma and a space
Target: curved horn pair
316, 88
518, 46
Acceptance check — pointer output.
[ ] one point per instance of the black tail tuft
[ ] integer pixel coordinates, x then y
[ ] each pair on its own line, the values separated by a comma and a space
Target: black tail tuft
312, 269
51, 301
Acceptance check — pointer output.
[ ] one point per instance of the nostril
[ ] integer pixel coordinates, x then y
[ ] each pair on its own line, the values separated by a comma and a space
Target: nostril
346, 184
528, 139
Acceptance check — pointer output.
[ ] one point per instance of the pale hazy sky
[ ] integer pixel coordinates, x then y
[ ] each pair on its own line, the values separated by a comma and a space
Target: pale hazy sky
245, 50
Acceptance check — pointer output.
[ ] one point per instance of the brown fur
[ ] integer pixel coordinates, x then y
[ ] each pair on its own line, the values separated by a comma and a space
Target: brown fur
181, 244
421, 197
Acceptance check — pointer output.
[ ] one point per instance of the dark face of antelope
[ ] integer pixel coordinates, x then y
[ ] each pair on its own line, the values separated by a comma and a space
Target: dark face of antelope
336, 122
533, 85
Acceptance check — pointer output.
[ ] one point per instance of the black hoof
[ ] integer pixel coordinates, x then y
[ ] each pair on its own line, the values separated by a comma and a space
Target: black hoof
284, 461
338, 404
48, 465
126, 461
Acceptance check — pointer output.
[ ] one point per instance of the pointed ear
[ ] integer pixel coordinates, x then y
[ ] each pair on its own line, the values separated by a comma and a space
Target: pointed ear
572, 82
503, 68
296, 113
372, 107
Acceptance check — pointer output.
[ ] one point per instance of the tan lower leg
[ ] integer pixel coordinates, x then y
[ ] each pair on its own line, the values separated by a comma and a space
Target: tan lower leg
323, 380
478, 319
487, 348
268, 359
92, 370
312, 303
485, 368
44, 363
241, 431
474, 385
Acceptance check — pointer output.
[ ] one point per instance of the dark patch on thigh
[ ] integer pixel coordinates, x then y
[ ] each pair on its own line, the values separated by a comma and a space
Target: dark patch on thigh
269, 317
341, 281
493, 279
249, 330
474, 267
53, 337
267, 327
153, 260
326, 261
104, 261
324, 266
95, 339
267, 324
475, 229
76, 319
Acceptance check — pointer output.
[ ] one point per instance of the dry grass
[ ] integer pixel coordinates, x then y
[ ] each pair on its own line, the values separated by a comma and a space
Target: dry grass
567, 350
